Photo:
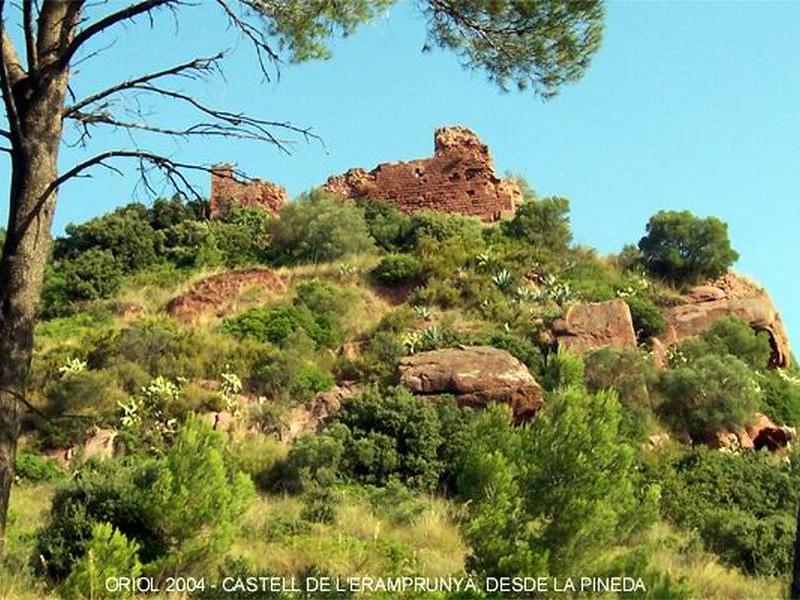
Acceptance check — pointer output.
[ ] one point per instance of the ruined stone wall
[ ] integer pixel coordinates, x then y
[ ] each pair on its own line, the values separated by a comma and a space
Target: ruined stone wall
259, 193
459, 178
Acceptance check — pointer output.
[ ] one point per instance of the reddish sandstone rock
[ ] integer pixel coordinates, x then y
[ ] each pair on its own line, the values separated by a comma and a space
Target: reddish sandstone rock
589, 326
256, 193
459, 178
731, 295
219, 291
476, 375
766, 434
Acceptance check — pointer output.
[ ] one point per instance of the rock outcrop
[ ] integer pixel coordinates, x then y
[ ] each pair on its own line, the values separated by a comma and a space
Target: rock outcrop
225, 186
476, 376
761, 433
731, 295
588, 326
459, 178
218, 292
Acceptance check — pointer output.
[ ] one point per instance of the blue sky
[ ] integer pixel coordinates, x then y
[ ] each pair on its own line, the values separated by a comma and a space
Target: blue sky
687, 105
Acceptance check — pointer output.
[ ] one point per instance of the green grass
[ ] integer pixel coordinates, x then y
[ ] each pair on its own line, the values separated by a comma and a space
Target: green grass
29, 506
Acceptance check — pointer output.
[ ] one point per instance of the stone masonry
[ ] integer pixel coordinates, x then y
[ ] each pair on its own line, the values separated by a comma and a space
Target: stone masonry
258, 192
458, 178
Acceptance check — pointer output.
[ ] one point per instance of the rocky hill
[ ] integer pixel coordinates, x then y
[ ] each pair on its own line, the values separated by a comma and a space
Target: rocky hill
353, 383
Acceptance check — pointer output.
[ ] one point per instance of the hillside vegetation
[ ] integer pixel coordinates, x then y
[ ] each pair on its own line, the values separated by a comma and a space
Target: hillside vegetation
265, 430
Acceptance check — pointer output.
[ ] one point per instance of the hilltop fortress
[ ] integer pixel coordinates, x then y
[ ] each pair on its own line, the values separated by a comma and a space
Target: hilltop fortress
458, 178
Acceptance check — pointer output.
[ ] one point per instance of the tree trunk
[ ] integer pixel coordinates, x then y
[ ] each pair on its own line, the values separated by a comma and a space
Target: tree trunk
32, 203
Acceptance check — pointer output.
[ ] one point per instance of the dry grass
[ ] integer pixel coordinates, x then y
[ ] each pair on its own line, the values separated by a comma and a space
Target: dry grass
707, 577
359, 542
29, 506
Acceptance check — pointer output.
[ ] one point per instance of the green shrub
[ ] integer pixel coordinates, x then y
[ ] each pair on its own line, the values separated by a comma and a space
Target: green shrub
390, 228
548, 498
292, 373
163, 505
396, 503
743, 506
562, 370
330, 304
628, 374
33, 468
542, 223
276, 324
648, 320
109, 554
191, 244
93, 274
108, 492
125, 233
781, 396
83, 393
730, 336
376, 437
711, 394
398, 269
195, 489
316, 228
686, 249
168, 212
319, 505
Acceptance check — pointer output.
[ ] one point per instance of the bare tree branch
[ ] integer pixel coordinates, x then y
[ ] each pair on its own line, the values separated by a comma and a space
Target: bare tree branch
30, 34
11, 72
170, 168
198, 66
258, 38
126, 14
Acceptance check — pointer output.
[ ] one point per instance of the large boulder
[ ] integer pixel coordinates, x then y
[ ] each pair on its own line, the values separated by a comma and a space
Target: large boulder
594, 325
476, 376
761, 433
730, 295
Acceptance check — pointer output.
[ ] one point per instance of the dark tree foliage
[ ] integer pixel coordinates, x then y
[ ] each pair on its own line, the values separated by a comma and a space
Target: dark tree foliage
741, 504
542, 223
125, 232
708, 395
318, 227
686, 249
540, 45
731, 336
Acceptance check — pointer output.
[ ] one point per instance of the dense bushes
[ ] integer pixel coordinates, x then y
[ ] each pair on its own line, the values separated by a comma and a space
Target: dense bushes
742, 505
542, 223
710, 394
379, 436
686, 249
781, 396
33, 468
648, 320
160, 504
547, 498
398, 269
730, 336
318, 227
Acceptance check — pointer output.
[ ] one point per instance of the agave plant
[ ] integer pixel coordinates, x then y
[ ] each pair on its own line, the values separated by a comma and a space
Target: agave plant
483, 259
423, 312
431, 338
503, 279
524, 293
